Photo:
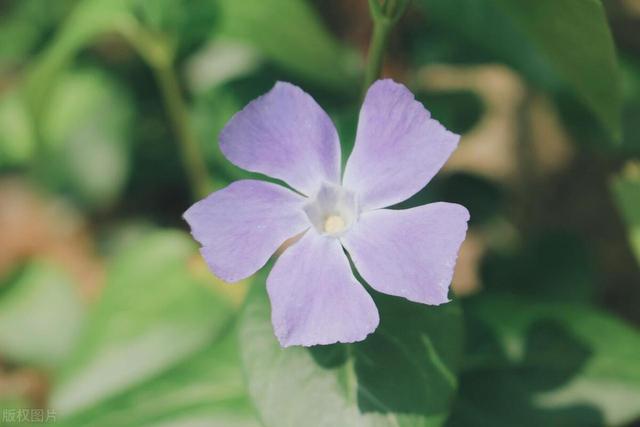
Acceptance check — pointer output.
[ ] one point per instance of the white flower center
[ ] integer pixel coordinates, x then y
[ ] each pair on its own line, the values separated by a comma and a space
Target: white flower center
332, 210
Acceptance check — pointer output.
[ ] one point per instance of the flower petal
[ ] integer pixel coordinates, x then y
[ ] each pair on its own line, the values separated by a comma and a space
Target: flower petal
315, 299
243, 224
398, 148
286, 135
409, 253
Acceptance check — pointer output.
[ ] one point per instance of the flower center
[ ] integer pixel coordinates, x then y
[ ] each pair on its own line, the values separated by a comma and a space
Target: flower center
334, 224
332, 210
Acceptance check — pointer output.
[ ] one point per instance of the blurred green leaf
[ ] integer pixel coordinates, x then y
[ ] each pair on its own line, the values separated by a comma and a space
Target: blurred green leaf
209, 114
187, 22
485, 33
555, 266
289, 33
87, 129
27, 23
88, 20
402, 375
40, 316
17, 139
218, 62
574, 36
570, 36
484, 199
458, 111
630, 70
205, 390
533, 364
154, 313
626, 191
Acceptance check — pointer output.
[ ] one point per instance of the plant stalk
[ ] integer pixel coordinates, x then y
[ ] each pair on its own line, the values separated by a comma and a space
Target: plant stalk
384, 17
158, 53
192, 157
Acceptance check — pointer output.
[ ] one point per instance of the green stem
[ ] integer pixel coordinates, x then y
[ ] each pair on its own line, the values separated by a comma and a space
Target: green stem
377, 46
157, 51
190, 150
384, 17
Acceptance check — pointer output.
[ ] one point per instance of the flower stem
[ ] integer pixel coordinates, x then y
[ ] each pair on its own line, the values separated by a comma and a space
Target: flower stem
192, 157
158, 53
384, 16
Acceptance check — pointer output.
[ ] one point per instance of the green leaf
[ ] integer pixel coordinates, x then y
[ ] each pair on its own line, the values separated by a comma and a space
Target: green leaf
575, 37
27, 24
487, 34
87, 130
554, 266
542, 39
209, 114
533, 364
289, 33
626, 191
40, 316
154, 313
402, 375
218, 62
187, 22
88, 20
17, 139
207, 389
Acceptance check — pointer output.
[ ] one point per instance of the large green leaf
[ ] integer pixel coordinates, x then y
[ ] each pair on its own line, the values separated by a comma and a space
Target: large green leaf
487, 34
571, 37
533, 364
402, 375
40, 316
154, 313
575, 37
289, 33
205, 390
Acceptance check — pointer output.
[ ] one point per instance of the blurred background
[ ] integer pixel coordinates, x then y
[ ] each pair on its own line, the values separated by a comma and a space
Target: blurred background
109, 116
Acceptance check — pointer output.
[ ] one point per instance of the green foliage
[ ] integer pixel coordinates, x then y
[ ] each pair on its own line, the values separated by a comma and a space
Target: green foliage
571, 37
296, 39
151, 299
17, 139
205, 389
457, 111
26, 24
87, 130
88, 20
39, 299
186, 22
554, 363
553, 266
210, 113
402, 375
575, 37
626, 191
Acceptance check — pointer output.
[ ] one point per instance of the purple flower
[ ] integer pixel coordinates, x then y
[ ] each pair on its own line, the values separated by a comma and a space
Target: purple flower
315, 298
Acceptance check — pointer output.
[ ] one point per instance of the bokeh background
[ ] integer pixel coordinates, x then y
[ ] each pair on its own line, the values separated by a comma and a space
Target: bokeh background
109, 115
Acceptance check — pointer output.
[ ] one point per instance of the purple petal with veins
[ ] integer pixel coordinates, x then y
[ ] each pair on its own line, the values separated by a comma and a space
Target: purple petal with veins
242, 225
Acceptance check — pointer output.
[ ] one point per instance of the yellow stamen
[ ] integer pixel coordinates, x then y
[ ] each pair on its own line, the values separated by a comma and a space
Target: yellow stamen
334, 224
